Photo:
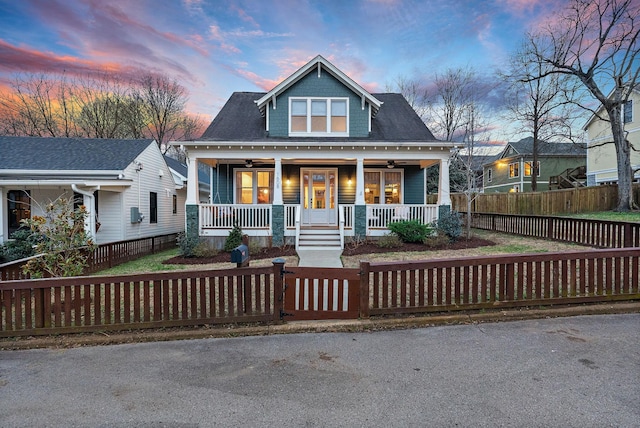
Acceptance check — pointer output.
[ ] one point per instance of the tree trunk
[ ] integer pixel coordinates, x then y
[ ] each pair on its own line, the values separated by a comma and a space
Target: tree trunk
623, 156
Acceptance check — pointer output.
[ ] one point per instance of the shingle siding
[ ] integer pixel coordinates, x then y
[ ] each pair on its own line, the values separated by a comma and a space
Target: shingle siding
413, 185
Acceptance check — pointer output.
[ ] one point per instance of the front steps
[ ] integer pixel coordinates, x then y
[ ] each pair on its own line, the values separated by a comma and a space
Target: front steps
319, 239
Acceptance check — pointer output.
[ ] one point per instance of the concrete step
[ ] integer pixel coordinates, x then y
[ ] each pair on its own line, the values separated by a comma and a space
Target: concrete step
319, 238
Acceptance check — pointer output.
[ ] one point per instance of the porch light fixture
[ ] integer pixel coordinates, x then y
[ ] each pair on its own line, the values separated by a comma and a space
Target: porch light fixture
391, 164
248, 163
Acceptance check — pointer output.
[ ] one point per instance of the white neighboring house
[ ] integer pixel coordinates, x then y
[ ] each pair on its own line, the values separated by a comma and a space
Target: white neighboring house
602, 164
126, 185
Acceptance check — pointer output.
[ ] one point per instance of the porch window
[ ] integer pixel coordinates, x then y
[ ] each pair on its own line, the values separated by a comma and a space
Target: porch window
318, 116
19, 208
254, 187
382, 187
528, 169
514, 170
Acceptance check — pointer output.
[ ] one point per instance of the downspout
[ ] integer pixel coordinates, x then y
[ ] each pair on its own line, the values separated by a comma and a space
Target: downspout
91, 223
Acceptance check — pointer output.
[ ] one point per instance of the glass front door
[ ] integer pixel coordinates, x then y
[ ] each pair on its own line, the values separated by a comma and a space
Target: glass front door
319, 197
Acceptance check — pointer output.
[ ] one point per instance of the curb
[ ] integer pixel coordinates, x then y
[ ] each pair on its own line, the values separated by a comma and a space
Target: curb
292, 327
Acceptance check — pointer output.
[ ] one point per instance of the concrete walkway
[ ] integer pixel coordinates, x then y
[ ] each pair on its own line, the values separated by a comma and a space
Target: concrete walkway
320, 257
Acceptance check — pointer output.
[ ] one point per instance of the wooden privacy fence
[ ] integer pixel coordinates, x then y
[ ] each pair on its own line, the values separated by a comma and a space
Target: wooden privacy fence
67, 305
105, 255
566, 201
596, 233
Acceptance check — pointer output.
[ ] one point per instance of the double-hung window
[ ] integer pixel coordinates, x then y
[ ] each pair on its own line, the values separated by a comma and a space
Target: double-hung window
627, 112
528, 169
254, 187
514, 170
318, 116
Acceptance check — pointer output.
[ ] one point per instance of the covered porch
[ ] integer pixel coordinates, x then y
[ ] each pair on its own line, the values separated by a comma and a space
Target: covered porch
279, 192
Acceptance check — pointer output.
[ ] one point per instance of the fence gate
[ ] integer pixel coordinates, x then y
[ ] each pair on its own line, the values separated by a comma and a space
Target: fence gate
321, 293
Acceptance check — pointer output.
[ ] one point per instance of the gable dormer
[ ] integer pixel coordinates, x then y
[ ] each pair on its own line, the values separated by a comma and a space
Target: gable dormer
318, 100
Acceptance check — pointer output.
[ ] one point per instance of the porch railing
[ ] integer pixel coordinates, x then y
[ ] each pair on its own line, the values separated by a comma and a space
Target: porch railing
379, 216
290, 218
224, 216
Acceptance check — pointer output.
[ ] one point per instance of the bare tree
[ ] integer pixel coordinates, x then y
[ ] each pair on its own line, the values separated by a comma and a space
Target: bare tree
414, 91
543, 103
163, 101
596, 42
102, 107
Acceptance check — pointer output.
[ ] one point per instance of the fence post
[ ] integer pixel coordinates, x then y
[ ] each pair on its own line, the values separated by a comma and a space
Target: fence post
364, 289
628, 236
550, 227
278, 289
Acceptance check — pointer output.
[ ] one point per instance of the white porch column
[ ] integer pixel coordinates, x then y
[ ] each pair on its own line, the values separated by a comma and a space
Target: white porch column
192, 182
359, 181
277, 183
444, 191
3, 220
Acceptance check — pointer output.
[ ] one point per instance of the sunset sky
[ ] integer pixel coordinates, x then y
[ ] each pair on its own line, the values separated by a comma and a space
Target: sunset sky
217, 47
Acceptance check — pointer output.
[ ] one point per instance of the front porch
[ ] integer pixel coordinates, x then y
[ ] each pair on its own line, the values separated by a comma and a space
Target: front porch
258, 220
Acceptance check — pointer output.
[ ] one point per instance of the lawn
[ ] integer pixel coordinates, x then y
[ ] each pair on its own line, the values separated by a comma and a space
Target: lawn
631, 216
504, 244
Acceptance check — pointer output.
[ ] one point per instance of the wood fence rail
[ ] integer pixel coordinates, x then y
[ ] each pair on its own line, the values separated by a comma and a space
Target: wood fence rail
596, 233
104, 303
501, 282
105, 255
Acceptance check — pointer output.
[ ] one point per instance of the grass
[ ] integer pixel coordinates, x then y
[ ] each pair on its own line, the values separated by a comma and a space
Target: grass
151, 263
631, 216
513, 249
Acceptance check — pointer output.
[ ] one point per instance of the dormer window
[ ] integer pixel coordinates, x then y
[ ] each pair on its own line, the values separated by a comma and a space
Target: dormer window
318, 117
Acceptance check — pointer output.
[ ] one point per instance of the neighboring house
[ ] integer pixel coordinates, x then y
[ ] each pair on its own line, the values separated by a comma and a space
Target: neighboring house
316, 155
602, 164
180, 172
560, 165
125, 184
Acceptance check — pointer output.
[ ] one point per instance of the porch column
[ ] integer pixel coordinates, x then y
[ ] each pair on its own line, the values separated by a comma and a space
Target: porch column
360, 210
192, 182
192, 214
3, 220
277, 206
444, 191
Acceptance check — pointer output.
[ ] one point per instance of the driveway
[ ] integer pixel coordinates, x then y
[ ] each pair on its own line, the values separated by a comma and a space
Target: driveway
569, 372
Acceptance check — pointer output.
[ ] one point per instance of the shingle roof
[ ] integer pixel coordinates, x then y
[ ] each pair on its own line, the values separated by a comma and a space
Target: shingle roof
525, 147
183, 170
58, 154
240, 120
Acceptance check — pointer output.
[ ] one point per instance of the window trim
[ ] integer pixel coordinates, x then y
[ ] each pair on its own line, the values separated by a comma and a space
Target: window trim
624, 112
153, 207
382, 183
329, 116
530, 167
254, 185
514, 166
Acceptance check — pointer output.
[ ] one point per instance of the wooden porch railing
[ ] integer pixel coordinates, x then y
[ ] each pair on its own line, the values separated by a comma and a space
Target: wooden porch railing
224, 216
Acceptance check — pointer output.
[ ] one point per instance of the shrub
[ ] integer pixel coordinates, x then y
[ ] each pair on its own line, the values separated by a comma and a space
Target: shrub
65, 246
450, 224
437, 241
254, 247
187, 244
234, 239
204, 250
410, 230
389, 241
20, 246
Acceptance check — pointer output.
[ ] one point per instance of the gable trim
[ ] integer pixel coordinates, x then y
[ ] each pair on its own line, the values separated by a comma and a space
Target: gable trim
318, 62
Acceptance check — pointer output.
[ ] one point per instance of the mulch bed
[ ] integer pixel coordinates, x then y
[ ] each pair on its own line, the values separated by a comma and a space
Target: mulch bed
350, 250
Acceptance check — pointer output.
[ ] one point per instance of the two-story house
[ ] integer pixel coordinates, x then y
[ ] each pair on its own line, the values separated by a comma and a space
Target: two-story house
602, 164
314, 160
560, 165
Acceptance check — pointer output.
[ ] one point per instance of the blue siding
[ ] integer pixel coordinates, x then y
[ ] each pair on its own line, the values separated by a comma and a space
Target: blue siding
413, 185
325, 86
291, 184
346, 191
223, 184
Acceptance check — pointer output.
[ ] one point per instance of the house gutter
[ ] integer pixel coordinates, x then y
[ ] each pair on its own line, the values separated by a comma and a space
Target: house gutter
90, 223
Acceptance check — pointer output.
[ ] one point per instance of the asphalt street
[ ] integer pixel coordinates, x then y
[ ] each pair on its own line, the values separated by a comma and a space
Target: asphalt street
563, 372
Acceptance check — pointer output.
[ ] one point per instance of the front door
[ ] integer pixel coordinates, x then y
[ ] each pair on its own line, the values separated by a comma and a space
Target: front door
319, 206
